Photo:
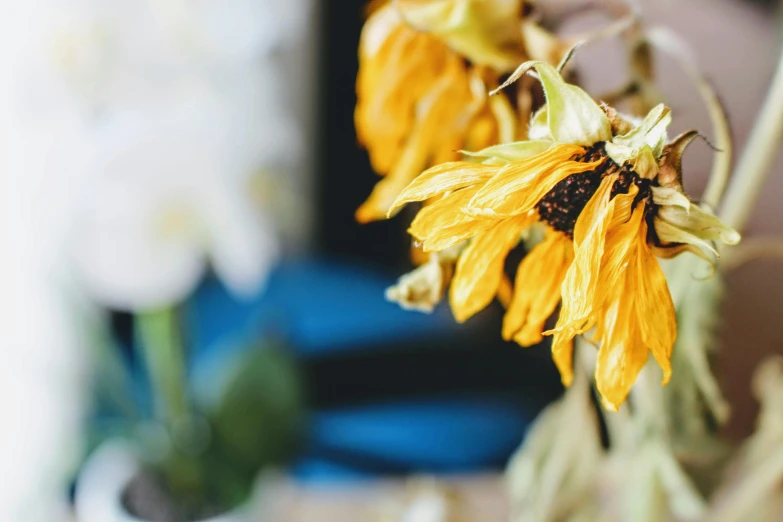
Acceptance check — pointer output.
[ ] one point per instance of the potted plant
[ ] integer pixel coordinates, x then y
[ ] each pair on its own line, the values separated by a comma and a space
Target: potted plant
161, 118
195, 458
161, 211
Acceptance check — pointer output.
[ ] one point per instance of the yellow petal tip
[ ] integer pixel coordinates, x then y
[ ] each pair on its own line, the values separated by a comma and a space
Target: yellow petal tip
365, 214
610, 405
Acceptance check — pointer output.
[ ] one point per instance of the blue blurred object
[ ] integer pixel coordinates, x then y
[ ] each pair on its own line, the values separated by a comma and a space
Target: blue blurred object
316, 306
331, 309
442, 436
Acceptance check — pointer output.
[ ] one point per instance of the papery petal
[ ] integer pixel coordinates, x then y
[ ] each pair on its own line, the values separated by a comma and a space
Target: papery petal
579, 286
694, 226
637, 313
618, 253
444, 178
518, 186
671, 196
443, 223
563, 356
651, 132
379, 204
480, 267
537, 289
654, 307
389, 85
622, 354
433, 111
423, 288
455, 234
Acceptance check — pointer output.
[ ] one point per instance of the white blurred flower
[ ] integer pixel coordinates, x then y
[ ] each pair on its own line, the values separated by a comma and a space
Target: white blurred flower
129, 141
154, 118
235, 29
160, 206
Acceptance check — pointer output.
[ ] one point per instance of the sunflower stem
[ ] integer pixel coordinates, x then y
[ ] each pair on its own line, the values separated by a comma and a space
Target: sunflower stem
757, 158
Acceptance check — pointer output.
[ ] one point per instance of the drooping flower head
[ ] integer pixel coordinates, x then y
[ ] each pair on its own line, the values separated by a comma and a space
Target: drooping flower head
425, 68
608, 192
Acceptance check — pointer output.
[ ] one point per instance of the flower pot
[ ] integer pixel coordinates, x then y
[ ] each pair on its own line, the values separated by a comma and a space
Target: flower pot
103, 480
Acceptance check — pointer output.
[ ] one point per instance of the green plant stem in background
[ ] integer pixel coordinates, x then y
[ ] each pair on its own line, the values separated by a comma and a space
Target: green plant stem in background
161, 345
756, 160
159, 338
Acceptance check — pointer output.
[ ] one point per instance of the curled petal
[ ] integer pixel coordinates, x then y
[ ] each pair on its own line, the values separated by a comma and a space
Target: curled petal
636, 312
518, 186
480, 267
654, 306
563, 355
622, 354
443, 224
694, 226
670, 173
379, 204
423, 288
671, 196
650, 133
444, 178
578, 290
536, 289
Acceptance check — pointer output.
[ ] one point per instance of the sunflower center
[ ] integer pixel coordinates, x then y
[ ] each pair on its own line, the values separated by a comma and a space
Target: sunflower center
561, 206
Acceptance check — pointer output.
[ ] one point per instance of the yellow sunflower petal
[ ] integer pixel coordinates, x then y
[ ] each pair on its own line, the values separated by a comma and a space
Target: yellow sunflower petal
654, 306
456, 234
563, 355
443, 224
518, 186
416, 101
379, 204
622, 354
578, 290
443, 178
537, 289
442, 213
480, 267
637, 312
390, 84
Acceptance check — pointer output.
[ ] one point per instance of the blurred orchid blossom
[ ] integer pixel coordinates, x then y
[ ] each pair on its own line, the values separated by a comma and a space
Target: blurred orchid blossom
159, 207
171, 111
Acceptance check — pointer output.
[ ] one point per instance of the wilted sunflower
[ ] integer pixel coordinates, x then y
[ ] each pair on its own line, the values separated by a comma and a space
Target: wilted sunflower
609, 193
425, 67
